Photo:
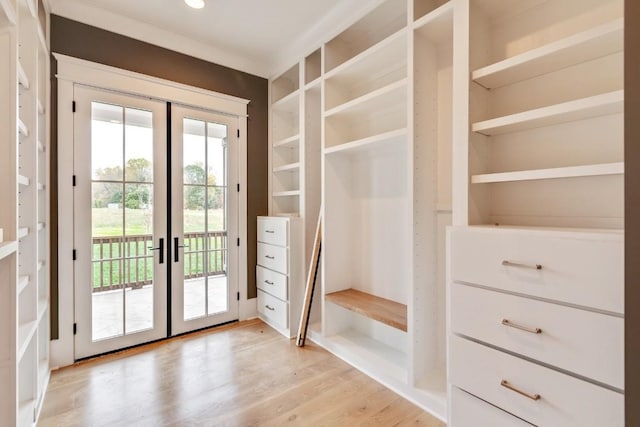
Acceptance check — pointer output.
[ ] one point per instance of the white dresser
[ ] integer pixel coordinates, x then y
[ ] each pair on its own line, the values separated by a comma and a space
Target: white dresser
280, 272
537, 328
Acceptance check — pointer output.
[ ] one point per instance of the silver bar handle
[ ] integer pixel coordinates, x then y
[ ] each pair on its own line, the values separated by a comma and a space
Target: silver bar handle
268, 307
269, 257
521, 265
268, 282
532, 396
269, 231
506, 322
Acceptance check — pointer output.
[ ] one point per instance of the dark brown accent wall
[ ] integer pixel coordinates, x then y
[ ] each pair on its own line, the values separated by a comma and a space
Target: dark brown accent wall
632, 210
93, 44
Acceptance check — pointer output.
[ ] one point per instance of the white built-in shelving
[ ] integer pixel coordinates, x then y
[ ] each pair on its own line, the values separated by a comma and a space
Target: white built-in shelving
24, 137
538, 168
373, 108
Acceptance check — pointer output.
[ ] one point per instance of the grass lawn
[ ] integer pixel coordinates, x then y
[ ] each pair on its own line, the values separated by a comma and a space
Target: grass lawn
108, 222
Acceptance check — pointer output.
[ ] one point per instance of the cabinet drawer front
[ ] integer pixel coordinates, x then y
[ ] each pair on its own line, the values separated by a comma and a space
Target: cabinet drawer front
273, 257
273, 309
271, 282
563, 400
273, 231
469, 411
586, 343
584, 269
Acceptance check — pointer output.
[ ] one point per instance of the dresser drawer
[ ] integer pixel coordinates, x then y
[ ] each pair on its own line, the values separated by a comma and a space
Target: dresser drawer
586, 343
469, 411
563, 400
273, 231
273, 309
271, 282
273, 257
581, 268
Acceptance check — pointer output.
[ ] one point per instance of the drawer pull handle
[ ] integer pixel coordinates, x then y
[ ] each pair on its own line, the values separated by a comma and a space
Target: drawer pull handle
506, 322
505, 384
520, 265
268, 282
269, 231
269, 257
268, 307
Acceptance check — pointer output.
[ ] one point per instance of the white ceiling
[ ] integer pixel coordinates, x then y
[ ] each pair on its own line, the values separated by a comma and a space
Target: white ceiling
256, 36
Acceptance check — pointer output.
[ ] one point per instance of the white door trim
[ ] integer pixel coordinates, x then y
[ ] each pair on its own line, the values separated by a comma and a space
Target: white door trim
73, 70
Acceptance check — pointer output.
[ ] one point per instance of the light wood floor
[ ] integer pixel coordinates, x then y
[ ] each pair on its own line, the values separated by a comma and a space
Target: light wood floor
244, 375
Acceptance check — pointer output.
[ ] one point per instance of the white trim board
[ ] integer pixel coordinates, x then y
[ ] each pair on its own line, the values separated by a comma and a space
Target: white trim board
111, 78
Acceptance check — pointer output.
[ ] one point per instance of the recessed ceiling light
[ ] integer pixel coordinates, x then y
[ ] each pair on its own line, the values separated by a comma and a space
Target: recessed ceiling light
196, 4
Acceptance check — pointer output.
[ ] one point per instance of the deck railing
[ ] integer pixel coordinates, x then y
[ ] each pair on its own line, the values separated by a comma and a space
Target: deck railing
127, 262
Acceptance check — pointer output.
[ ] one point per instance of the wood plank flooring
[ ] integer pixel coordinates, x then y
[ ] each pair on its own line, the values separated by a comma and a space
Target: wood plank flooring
240, 375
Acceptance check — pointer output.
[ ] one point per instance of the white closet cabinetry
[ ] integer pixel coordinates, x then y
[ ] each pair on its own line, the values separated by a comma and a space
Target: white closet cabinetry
279, 273
536, 252
24, 254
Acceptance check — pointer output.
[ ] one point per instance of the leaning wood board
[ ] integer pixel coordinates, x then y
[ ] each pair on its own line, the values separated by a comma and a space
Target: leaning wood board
311, 285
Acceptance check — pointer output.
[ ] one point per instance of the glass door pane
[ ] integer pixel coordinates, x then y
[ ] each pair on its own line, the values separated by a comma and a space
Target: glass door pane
204, 278
122, 220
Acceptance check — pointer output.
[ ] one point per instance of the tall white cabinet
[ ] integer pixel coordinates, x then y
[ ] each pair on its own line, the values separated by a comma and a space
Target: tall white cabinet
24, 253
502, 119
536, 252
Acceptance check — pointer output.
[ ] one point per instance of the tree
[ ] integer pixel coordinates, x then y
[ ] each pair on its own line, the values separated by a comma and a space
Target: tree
138, 171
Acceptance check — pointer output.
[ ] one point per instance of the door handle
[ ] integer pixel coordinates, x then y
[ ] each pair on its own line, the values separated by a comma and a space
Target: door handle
160, 248
176, 247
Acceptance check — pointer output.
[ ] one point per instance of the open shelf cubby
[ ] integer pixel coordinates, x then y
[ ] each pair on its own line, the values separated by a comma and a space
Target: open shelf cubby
388, 18
286, 84
313, 66
383, 310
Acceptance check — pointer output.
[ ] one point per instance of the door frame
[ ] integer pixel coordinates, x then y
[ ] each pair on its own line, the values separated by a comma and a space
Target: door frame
73, 70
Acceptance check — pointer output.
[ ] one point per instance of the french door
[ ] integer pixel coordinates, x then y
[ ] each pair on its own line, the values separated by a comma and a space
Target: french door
204, 157
124, 294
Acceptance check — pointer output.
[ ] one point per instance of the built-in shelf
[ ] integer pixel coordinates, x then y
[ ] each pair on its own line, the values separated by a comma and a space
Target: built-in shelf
291, 167
41, 109
23, 232
594, 106
23, 180
22, 128
23, 282
393, 137
552, 173
594, 43
25, 334
383, 310
393, 94
286, 193
313, 83
288, 142
367, 353
41, 226
388, 53
7, 248
23, 79
437, 25
40, 186
288, 103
